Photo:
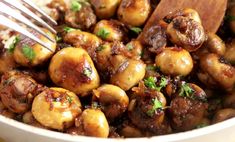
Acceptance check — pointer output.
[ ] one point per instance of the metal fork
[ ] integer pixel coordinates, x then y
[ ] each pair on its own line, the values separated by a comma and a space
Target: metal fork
14, 9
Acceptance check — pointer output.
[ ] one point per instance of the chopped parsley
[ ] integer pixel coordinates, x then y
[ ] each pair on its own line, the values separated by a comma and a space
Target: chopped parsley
95, 105
87, 72
150, 82
69, 29
153, 68
103, 33
201, 125
136, 30
156, 104
58, 39
75, 5
28, 52
163, 83
69, 99
100, 48
230, 18
186, 91
141, 54
129, 47
13, 44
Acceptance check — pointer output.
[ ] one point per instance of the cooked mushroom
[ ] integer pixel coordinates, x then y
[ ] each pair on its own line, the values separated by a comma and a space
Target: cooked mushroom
187, 110
216, 73
56, 108
92, 122
186, 32
73, 69
29, 53
113, 100
105, 9
86, 40
110, 30
126, 73
18, 91
174, 61
80, 15
134, 12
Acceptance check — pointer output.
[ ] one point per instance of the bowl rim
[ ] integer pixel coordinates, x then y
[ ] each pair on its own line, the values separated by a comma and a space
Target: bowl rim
67, 137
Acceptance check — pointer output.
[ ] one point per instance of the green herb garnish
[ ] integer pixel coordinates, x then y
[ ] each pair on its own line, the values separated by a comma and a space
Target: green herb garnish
69, 29
129, 47
156, 105
163, 83
136, 30
13, 44
75, 5
103, 33
150, 82
141, 54
58, 39
201, 125
230, 18
69, 99
95, 105
28, 52
87, 72
100, 48
151, 68
186, 91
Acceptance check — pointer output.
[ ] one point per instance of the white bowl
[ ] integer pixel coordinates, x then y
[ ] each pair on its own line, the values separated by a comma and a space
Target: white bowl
13, 131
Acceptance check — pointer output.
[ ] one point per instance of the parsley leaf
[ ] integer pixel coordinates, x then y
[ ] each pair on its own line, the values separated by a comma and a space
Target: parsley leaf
230, 18
75, 5
186, 91
100, 48
95, 105
156, 105
28, 52
141, 54
58, 39
87, 72
163, 83
201, 125
103, 33
136, 30
69, 29
151, 68
13, 44
150, 82
69, 99
129, 47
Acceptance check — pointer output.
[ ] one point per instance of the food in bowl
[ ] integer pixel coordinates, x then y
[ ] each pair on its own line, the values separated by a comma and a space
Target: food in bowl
100, 80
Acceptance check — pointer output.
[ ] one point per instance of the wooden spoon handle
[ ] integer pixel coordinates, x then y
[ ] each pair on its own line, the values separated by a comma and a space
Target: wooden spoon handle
210, 11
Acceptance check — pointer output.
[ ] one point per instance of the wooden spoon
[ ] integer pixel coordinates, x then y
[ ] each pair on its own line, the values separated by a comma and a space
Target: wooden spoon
210, 11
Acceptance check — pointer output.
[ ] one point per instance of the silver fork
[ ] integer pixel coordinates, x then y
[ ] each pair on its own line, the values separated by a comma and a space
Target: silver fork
14, 9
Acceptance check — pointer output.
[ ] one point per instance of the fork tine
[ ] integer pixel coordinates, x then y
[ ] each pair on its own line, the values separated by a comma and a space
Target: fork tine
29, 13
10, 24
30, 3
5, 9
